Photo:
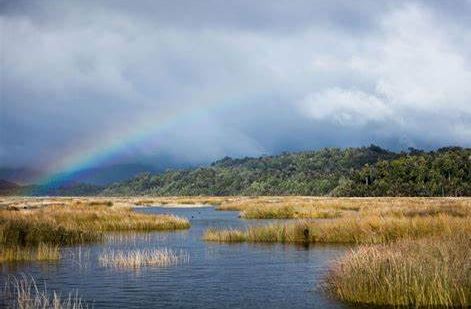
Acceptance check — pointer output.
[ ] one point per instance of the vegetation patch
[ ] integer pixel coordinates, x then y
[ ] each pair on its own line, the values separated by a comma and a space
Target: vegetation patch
23, 292
37, 234
138, 258
25, 254
368, 230
429, 272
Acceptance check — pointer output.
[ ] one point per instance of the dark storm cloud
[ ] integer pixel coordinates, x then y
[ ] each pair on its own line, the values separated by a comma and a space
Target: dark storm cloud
279, 75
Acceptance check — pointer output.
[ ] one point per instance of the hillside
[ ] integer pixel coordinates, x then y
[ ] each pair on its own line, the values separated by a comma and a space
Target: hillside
366, 171
8, 187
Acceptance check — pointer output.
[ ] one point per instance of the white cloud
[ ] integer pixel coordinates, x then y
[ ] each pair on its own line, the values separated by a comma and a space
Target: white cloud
78, 74
346, 107
419, 81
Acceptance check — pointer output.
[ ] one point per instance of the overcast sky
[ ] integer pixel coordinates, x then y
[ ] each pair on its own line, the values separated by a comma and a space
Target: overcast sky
254, 77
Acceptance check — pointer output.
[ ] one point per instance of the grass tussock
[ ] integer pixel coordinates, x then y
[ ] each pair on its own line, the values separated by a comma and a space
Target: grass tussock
77, 223
370, 230
24, 293
324, 207
288, 212
219, 235
26, 254
426, 273
138, 258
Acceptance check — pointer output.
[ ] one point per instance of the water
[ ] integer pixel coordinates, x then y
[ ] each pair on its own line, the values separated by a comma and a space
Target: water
216, 276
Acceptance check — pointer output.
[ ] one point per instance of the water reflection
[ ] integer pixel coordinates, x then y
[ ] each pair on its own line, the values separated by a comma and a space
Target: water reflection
238, 275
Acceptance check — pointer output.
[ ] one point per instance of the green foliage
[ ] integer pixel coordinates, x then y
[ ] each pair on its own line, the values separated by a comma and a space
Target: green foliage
305, 173
365, 171
446, 172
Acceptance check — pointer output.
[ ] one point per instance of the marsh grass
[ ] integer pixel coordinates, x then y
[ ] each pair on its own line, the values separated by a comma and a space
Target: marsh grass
77, 223
24, 293
142, 257
288, 212
179, 200
325, 207
24, 254
228, 235
368, 230
429, 272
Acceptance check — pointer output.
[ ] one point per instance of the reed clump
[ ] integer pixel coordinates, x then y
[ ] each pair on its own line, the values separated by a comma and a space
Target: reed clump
431, 272
142, 257
229, 235
288, 212
23, 292
367, 230
26, 254
293, 207
77, 223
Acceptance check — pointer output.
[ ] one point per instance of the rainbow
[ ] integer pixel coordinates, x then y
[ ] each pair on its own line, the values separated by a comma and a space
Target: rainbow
73, 163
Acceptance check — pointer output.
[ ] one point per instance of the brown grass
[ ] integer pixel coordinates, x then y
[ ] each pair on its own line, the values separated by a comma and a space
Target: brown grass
24, 293
25, 254
365, 230
325, 207
138, 258
429, 272
77, 223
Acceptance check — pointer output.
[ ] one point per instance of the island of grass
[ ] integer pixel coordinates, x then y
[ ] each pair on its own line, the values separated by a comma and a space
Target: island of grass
406, 251
36, 234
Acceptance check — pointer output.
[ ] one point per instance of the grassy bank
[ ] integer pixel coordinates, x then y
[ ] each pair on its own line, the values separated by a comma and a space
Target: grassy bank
412, 251
72, 224
366, 230
25, 254
428, 272
325, 207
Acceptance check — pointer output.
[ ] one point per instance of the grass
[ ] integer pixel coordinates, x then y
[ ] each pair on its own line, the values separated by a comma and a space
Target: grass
412, 251
24, 254
367, 230
228, 235
77, 223
288, 212
138, 258
325, 207
36, 234
425, 273
24, 293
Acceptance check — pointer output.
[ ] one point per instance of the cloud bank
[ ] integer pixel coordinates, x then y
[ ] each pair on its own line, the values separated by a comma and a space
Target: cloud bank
253, 77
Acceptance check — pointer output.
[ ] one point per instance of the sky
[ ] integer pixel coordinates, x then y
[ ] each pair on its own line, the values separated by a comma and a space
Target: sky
194, 81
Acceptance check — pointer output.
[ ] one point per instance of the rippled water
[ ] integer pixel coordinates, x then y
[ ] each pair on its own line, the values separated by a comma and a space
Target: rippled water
217, 275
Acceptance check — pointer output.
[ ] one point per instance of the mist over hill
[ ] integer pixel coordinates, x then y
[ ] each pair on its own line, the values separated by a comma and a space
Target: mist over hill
363, 171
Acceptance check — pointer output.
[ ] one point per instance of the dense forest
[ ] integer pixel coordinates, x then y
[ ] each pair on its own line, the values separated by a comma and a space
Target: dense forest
365, 171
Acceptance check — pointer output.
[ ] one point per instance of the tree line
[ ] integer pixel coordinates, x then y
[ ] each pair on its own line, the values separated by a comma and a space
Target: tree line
364, 171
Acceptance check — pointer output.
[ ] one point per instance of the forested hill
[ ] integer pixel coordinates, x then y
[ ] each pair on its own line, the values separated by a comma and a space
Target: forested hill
366, 171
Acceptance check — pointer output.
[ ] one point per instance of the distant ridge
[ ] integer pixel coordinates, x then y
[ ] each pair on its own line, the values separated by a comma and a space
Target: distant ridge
8, 187
361, 171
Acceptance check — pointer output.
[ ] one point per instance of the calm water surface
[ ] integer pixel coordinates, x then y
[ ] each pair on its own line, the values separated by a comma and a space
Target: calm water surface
217, 275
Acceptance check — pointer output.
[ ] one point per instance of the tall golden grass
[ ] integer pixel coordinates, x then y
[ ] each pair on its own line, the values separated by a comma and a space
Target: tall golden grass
326, 207
65, 225
413, 251
36, 234
365, 230
429, 272
23, 254
142, 257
